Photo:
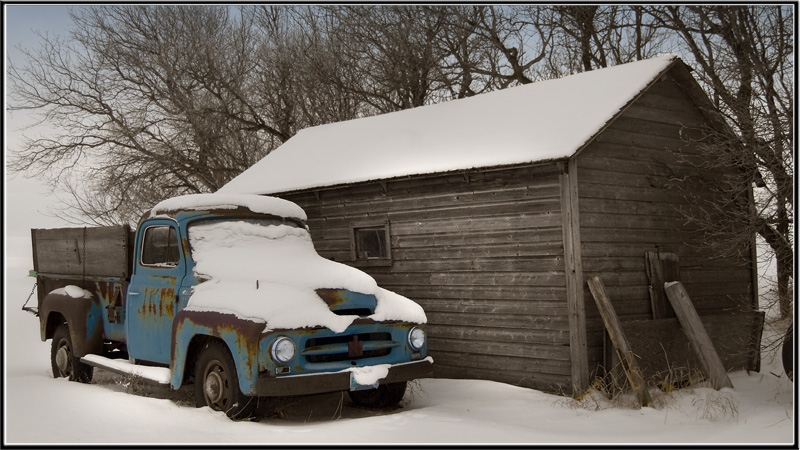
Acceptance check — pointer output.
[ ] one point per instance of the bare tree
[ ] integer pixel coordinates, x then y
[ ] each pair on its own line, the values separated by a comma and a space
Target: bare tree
512, 43
588, 37
304, 46
146, 104
389, 52
744, 58
496, 47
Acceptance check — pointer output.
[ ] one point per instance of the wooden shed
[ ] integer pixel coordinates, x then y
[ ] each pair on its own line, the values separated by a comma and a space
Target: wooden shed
492, 212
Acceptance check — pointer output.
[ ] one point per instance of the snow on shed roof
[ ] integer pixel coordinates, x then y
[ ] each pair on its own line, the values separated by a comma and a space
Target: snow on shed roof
540, 121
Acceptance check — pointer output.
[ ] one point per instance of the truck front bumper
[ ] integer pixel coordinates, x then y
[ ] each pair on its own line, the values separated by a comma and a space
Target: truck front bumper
318, 383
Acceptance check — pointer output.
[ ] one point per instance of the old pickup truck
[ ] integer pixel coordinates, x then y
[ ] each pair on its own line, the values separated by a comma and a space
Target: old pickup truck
226, 293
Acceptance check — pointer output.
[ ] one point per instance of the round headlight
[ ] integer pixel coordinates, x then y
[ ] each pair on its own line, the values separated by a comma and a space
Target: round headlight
282, 350
416, 338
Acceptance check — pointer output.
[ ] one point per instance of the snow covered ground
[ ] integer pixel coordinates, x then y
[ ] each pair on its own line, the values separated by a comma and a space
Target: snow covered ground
41, 410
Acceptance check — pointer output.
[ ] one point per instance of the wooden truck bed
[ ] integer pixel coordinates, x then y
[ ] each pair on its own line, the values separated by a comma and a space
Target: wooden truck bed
81, 256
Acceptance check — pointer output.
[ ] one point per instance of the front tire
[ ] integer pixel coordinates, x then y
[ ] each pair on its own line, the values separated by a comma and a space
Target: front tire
385, 396
63, 361
217, 385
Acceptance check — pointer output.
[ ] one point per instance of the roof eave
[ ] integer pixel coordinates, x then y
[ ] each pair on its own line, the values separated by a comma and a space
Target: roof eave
383, 181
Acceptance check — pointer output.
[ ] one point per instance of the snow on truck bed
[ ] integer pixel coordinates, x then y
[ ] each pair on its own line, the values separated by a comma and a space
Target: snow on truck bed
540, 121
269, 273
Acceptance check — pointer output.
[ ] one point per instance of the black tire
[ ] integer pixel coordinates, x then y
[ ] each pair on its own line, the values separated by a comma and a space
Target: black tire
787, 353
63, 361
217, 385
385, 396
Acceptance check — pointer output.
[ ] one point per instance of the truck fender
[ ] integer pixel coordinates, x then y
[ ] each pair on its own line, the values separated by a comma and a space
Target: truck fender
241, 336
83, 316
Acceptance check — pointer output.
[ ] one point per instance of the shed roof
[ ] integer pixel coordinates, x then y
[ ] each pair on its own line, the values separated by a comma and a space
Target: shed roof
541, 121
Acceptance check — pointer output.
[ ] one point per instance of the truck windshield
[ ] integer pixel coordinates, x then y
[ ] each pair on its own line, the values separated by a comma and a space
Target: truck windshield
240, 236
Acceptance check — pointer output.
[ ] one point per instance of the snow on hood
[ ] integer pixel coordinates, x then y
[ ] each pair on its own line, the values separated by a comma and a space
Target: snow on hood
271, 273
256, 203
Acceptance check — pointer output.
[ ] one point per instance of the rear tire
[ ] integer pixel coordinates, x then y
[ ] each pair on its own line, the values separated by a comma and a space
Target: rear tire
787, 353
217, 385
63, 361
385, 396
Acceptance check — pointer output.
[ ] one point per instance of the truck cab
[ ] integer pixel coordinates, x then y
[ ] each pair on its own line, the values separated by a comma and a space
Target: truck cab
227, 293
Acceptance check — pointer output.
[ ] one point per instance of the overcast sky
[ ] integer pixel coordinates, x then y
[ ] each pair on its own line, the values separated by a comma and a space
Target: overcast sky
26, 201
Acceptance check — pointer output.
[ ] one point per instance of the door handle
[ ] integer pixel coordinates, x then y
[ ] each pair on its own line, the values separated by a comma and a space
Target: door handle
132, 293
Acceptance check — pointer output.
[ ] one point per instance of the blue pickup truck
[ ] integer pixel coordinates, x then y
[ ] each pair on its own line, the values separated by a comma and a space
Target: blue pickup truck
227, 293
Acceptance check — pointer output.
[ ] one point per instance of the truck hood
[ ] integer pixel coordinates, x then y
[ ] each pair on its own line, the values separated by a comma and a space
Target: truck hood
273, 274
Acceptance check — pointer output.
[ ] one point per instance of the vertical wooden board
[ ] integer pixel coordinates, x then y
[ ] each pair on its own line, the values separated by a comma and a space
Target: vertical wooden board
661, 268
755, 354
574, 274
697, 334
669, 266
754, 276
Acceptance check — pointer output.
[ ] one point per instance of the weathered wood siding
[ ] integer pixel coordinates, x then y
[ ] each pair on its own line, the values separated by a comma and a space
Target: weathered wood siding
482, 252
95, 251
629, 204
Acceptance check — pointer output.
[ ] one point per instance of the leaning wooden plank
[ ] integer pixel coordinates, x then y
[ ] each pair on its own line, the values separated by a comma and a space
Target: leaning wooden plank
698, 337
632, 371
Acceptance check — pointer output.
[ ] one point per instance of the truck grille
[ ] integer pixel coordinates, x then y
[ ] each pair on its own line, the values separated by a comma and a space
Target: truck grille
361, 312
348, 347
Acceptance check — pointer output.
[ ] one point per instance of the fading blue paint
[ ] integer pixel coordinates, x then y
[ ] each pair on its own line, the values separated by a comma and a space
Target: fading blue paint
94, 318
153, 299
159, 329
239, 335
108, 293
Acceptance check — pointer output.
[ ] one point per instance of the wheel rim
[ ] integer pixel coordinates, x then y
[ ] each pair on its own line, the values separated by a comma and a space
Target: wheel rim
63, 361
215, 386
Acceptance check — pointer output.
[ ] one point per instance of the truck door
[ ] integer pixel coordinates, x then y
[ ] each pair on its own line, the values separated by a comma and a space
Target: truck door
153, 293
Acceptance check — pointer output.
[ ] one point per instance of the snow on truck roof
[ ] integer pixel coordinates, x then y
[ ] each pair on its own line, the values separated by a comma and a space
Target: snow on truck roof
540, 121
256, 203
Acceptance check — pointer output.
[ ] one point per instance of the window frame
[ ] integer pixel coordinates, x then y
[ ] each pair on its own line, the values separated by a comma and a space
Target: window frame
355, 227
144, 242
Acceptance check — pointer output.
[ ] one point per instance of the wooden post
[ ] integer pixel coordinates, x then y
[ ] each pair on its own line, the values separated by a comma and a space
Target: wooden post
632, 371
698, 337
573, 269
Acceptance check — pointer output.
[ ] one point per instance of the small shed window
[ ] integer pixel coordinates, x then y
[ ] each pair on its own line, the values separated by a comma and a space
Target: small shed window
370, 243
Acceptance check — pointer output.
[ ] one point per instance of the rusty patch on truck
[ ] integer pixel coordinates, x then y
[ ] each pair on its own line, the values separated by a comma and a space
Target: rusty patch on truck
111, 299
333, 297
166, 306
246, 333
161, 304
83, 317
345, 302
185, 245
